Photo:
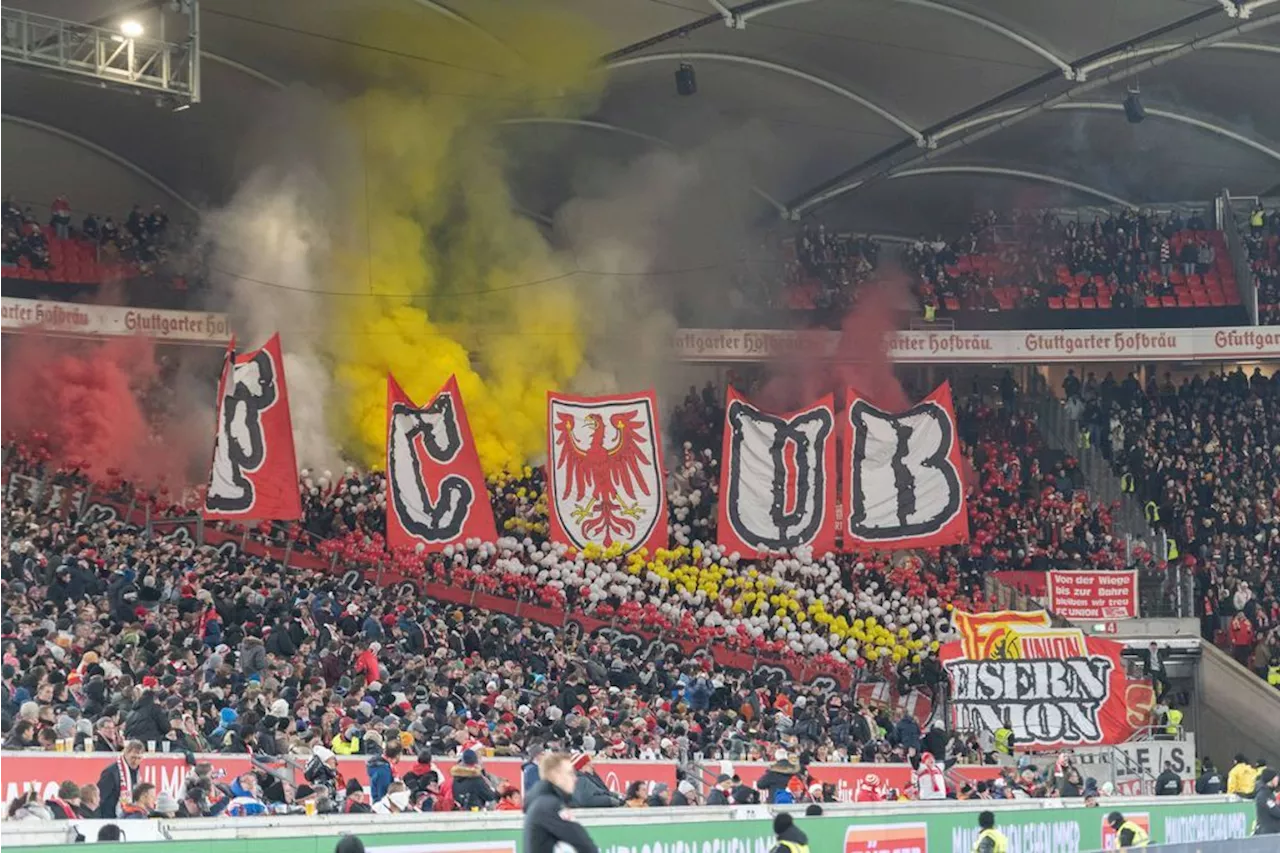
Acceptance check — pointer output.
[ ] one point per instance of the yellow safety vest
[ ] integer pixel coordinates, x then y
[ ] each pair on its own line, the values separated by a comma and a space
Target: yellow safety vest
1140, 837
930, 312
1255, 219
997, 838
1086, 440
1002, 737
1273, 676
1170, 550
343, 747
1174, 722
1152, 512
794, 847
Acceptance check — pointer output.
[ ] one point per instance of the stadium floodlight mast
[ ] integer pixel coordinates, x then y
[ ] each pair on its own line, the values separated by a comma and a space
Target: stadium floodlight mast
159, 57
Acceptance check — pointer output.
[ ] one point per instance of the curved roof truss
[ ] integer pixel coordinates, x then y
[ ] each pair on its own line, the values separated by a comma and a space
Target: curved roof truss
106, 153
1139, 52
778, 68
247, 70
942, 8
1039, 177
1106, 106
606, 127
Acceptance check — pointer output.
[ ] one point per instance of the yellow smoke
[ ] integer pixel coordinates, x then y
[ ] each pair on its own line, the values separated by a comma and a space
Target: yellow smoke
444, 257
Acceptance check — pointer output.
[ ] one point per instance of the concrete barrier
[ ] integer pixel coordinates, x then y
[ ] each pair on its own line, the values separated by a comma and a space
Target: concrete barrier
1033, 826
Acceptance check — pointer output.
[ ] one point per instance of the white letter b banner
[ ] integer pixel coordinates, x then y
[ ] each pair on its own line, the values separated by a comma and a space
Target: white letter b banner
777, 481
903, 483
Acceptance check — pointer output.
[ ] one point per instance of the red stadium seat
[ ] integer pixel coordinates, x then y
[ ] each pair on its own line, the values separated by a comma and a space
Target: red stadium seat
1088, 302
1072, 302
1055, 302
1153, 301
1168, 302
1104, 301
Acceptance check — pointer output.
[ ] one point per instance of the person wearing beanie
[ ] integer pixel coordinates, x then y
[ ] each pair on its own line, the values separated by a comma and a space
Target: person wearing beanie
357, 801
590, 791
1267, 803
719, 795
547, 827
686, 794
790, 838
471, 788
990, 839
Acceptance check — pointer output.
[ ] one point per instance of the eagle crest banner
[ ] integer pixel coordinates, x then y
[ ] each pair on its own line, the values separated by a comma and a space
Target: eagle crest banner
254, 474
604, 471
436, 493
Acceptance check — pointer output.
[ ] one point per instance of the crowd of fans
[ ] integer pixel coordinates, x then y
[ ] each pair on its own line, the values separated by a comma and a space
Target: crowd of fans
1034, 259
111, 637
1203, 456
141, 239
822, 269
1261, 235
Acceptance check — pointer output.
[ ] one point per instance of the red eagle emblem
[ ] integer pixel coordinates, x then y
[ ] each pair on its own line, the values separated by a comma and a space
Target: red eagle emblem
607, 477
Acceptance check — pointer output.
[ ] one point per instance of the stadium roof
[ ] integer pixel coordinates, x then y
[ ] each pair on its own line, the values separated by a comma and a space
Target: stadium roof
883, 114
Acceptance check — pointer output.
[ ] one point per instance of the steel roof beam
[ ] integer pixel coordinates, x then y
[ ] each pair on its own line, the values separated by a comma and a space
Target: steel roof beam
1024, 174
942, 8
606, 127
107, 153
846, 181
778, 68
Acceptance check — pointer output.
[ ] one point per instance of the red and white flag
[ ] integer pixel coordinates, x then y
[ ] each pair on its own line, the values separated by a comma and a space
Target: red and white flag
436, 494
903, 484
605, 475
778, 479
255, 472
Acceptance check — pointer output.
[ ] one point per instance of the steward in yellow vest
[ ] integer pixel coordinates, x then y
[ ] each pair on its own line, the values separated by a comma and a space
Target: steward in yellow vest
1174, 720
790, 838
1004, 740
990, 839
1128, 834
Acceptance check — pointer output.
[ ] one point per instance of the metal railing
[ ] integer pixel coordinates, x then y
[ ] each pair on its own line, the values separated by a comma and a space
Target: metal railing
1245, 281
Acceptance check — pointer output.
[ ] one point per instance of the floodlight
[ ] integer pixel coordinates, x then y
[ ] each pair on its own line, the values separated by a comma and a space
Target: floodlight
131, 28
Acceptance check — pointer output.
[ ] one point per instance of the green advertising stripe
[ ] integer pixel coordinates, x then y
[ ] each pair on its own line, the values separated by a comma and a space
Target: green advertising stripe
1043, 830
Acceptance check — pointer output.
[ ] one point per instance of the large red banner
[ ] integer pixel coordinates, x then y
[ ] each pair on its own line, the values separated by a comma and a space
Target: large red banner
436, 494
254, 474
1054, 687
44, 771
777, 479
604, 471
1094, 595
903, 486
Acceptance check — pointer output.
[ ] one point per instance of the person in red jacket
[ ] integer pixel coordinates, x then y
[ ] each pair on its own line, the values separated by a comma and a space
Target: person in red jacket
367, 662
1241, 633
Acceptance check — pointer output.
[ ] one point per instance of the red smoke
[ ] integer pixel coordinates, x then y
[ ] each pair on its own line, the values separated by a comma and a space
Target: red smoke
82, 402
861, 359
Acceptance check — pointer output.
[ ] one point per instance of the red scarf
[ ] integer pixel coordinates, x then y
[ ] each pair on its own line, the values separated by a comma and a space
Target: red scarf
67, 810
127, 778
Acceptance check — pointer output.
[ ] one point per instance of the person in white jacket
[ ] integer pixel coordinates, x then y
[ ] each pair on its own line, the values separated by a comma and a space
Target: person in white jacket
930, 781
396, 800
